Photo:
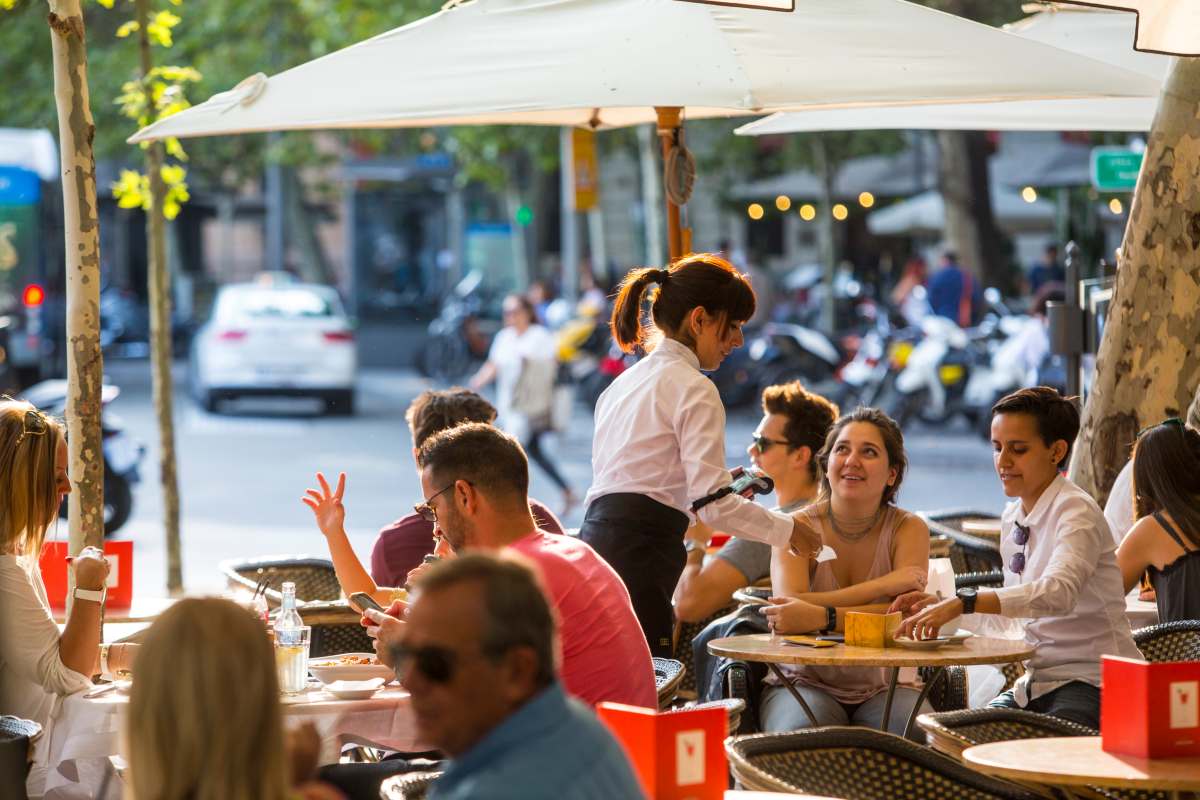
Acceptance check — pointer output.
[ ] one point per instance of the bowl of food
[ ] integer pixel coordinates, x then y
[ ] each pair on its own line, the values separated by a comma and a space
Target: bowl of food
349, 667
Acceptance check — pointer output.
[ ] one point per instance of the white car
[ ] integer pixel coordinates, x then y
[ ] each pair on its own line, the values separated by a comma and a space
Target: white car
275, 338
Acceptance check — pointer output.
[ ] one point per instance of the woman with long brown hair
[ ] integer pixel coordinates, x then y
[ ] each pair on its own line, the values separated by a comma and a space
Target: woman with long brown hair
660, 435
1165, 541
38, 664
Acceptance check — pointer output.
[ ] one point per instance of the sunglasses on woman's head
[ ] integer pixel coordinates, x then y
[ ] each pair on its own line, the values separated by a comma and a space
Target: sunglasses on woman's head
1021, 537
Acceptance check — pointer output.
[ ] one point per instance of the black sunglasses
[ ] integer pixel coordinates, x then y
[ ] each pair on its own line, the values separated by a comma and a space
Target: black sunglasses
1021, 537
762, 443
436, 664
426, 510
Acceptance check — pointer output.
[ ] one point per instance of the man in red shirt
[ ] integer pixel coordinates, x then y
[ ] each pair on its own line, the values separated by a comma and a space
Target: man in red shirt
475, 479
402, 545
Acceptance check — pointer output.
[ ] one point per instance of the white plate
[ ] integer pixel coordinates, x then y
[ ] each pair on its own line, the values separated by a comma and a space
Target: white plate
327, 669
923, 644
355, 690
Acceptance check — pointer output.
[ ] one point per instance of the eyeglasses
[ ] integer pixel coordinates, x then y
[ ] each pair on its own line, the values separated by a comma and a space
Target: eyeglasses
436, 664
762, 443
1021, 537
34, 424
426, 510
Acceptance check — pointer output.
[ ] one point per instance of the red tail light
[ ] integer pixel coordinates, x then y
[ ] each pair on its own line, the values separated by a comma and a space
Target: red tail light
231, 336
34, 295
339, 336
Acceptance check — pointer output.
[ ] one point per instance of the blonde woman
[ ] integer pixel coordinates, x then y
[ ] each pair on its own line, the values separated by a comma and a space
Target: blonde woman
204, 719
38, 664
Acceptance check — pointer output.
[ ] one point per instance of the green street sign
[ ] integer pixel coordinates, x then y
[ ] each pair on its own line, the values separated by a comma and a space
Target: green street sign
1115, 169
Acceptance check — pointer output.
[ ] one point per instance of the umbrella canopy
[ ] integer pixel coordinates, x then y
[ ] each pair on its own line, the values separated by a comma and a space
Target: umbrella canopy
1103, 36
604, 63
925, 214
1163, 26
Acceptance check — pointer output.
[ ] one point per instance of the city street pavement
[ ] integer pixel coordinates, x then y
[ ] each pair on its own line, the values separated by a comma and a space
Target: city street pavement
242, 473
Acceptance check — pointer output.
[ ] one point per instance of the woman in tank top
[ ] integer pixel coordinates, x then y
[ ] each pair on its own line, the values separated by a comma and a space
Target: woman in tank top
1166, 539
882, 551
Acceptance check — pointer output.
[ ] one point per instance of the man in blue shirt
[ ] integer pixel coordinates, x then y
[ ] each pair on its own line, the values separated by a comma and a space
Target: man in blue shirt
954, 293
1048, 271
478, 656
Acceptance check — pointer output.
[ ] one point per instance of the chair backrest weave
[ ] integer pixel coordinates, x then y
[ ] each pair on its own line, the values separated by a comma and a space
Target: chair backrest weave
1170, 641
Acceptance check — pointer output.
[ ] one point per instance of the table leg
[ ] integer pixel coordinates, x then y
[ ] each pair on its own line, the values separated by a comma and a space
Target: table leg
912, 717
796, 694
891, 694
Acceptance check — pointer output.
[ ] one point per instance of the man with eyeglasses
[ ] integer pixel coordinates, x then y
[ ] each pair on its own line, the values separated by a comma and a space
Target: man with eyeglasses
475, 479
784, 447
478, 656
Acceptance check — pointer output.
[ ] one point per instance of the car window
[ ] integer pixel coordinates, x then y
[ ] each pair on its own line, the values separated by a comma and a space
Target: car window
275, 304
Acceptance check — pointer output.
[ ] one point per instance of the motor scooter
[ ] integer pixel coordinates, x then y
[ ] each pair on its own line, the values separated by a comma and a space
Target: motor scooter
123, 454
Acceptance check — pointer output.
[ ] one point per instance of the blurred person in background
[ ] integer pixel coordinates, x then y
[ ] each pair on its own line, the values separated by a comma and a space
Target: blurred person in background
913, 305
954, 293
1048, 270
204, 720
523, 364
38, 664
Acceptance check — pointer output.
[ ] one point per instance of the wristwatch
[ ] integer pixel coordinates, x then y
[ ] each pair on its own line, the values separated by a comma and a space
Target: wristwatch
692, 546
830, 619
89, 594
967, 596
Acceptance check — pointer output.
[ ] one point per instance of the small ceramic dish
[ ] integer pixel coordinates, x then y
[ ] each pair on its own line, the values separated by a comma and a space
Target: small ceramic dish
354, 690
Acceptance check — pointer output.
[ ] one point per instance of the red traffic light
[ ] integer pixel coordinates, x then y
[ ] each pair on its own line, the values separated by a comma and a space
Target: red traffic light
34, 295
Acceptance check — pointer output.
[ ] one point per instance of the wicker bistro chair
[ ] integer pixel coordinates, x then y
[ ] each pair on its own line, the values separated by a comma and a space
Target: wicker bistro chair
952, 732
667, 674
412, 786
336, 628
1170, 641
992, 579
16, 742
681, 650
858, 763
314, 577
733, 707
968, 553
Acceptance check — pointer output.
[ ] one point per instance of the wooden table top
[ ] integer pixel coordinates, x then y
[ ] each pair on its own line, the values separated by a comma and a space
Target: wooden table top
770, 648
1079, 761
988, 527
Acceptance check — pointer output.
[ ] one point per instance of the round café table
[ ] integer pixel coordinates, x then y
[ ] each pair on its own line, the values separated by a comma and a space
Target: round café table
773, 651
1079, 761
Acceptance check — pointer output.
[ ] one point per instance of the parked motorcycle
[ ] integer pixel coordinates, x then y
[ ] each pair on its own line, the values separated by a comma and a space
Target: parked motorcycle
122, 453
461, 334
785, 352
882, 352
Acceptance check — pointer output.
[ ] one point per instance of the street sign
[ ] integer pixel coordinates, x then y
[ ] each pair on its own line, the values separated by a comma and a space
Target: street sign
1115, 169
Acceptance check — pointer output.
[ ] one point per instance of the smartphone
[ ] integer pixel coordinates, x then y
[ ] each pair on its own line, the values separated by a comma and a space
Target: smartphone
362, 601
809, 641
838, 638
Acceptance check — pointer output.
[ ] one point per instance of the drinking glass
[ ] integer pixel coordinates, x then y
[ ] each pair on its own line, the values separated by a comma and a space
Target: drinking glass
291, 658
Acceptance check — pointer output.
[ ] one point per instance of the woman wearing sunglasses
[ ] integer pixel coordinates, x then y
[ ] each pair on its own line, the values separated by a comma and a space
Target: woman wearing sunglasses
38, 664
1166, 539
881, 551
1060, 566
660, 435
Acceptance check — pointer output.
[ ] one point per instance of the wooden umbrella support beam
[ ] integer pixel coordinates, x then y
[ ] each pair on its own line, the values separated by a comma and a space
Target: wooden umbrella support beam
669, 121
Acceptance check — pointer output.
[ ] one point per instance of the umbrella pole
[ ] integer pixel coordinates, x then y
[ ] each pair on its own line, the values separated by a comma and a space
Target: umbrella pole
668, 129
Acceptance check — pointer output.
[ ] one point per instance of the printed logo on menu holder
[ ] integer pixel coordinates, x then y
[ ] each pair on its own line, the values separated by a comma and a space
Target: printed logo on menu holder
1185, 704
689, 758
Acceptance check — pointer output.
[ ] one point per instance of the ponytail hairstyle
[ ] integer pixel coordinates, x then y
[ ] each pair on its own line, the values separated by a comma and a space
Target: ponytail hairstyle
700, 280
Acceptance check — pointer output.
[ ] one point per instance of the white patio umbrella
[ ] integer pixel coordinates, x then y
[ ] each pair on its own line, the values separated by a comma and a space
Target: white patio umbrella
1171, 27
925, 213
1104, 36
605, 63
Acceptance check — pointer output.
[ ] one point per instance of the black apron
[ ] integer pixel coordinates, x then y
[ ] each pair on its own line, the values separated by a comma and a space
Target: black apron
642, 540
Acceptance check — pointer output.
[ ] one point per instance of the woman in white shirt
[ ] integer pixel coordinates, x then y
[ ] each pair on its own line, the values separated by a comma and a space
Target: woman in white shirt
1060, 568
524, 364
37, 663
660, 436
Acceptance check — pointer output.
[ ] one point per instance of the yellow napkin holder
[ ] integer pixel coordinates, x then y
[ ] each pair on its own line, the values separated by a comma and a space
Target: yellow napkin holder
871, 630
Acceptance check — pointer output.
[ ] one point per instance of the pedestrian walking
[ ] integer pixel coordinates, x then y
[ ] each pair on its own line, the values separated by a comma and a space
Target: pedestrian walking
660, 435
522, 361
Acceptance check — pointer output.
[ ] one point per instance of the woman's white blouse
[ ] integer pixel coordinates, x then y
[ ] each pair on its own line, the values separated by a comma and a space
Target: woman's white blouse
31, 672
660, 432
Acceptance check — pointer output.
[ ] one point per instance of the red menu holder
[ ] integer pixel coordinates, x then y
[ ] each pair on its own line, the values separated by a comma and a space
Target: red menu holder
53, 564
1150, 710
679, 755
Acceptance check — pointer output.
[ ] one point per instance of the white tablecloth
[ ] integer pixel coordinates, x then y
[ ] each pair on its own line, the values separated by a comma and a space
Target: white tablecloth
87, 731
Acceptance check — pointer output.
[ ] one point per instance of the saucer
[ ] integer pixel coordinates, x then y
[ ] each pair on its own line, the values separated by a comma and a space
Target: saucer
354, 690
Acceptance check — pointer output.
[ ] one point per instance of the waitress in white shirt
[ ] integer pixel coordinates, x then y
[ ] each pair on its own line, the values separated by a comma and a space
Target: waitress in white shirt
660, 436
